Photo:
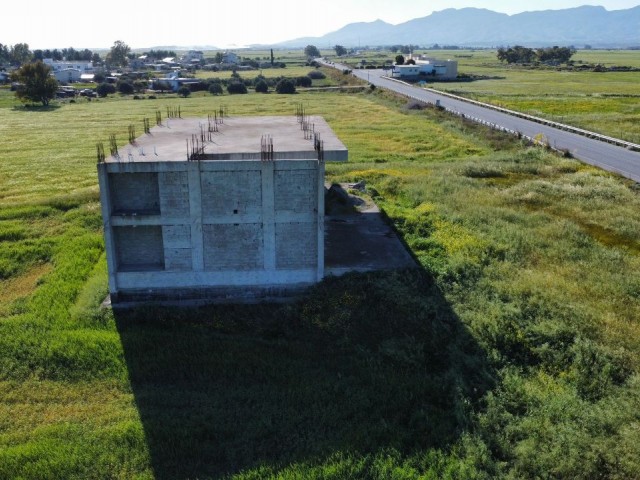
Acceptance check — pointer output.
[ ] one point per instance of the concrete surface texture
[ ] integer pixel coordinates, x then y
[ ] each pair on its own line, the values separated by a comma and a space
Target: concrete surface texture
236, 138
357, 237
231, 223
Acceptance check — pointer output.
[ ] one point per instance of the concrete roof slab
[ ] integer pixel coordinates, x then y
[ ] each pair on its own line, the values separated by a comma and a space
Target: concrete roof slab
238, 138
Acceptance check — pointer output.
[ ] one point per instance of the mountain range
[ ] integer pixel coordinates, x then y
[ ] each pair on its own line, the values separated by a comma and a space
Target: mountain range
475, 27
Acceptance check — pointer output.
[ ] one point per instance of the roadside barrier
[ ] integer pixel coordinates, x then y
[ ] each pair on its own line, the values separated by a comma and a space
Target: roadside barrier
560, 126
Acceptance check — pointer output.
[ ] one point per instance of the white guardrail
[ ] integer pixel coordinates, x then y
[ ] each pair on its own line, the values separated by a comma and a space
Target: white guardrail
560, 126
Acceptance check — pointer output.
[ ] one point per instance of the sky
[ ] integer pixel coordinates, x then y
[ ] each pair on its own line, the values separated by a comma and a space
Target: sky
223, 23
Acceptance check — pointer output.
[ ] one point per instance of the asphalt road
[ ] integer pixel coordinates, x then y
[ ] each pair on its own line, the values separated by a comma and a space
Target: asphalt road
594, 152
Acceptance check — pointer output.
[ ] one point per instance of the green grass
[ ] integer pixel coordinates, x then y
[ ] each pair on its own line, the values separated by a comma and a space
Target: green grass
603, 102
512, 353
289, 71
606, 102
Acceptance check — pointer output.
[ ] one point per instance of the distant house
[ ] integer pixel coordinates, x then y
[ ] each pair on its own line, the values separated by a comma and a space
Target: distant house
425, 68
55, 65
141, 62
173, 80
69, 72
230, 57
4, 77
192, 56
68, 75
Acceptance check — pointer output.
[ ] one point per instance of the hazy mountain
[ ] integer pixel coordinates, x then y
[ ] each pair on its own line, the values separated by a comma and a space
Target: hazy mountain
479, 27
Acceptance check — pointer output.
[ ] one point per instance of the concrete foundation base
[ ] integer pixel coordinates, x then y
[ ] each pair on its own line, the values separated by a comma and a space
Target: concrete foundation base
357, 239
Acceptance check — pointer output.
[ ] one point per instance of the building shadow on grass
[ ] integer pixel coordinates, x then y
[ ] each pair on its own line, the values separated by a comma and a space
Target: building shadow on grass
363, 362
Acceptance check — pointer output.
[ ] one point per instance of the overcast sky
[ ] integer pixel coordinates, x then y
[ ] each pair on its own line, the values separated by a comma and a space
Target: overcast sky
141, 24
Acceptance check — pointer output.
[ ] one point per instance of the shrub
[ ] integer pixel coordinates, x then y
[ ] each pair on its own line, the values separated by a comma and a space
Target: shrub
105, 89
236, 88
304, 82
286, 86
184, 91
262, 86
316, 75
215, 89
125, 88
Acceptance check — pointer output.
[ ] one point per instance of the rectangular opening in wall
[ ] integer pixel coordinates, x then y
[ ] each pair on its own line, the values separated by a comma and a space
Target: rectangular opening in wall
134, 193
139, 249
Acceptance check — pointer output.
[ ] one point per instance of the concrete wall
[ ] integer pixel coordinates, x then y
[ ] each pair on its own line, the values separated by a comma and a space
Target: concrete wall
134, 193
174, 201
139, 248
176, 226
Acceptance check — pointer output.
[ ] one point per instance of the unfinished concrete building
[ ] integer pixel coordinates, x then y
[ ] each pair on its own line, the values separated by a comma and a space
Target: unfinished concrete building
203, 208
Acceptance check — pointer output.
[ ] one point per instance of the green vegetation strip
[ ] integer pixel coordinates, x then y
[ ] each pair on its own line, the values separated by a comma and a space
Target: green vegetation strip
512, 353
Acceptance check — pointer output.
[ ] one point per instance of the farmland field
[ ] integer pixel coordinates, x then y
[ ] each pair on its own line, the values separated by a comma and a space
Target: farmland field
512, 353
604, 102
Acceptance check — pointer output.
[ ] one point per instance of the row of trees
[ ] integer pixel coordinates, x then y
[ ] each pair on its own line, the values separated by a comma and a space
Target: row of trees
19, 54
70, 54
404, 49
312, 51
520, 54
16, 54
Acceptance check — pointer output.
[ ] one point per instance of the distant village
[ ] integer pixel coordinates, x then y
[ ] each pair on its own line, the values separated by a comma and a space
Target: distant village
162, 68
165, 71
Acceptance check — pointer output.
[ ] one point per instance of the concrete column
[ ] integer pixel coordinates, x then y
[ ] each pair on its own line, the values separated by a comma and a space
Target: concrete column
195, 212
105, 205
320, 219
268, 215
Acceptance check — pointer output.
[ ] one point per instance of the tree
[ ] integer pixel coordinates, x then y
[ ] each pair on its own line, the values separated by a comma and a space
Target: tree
311, 51
117, 56
125, 87
20, 54
37, 84
236, 87
262, 86
304, 82
340, 50
184, 91
555, 54
4, 54
105, 89
517, 54
399, 59
215, 88
285, 86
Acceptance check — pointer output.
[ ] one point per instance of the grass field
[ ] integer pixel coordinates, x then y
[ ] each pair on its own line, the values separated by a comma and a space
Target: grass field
513, 353
607, 102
